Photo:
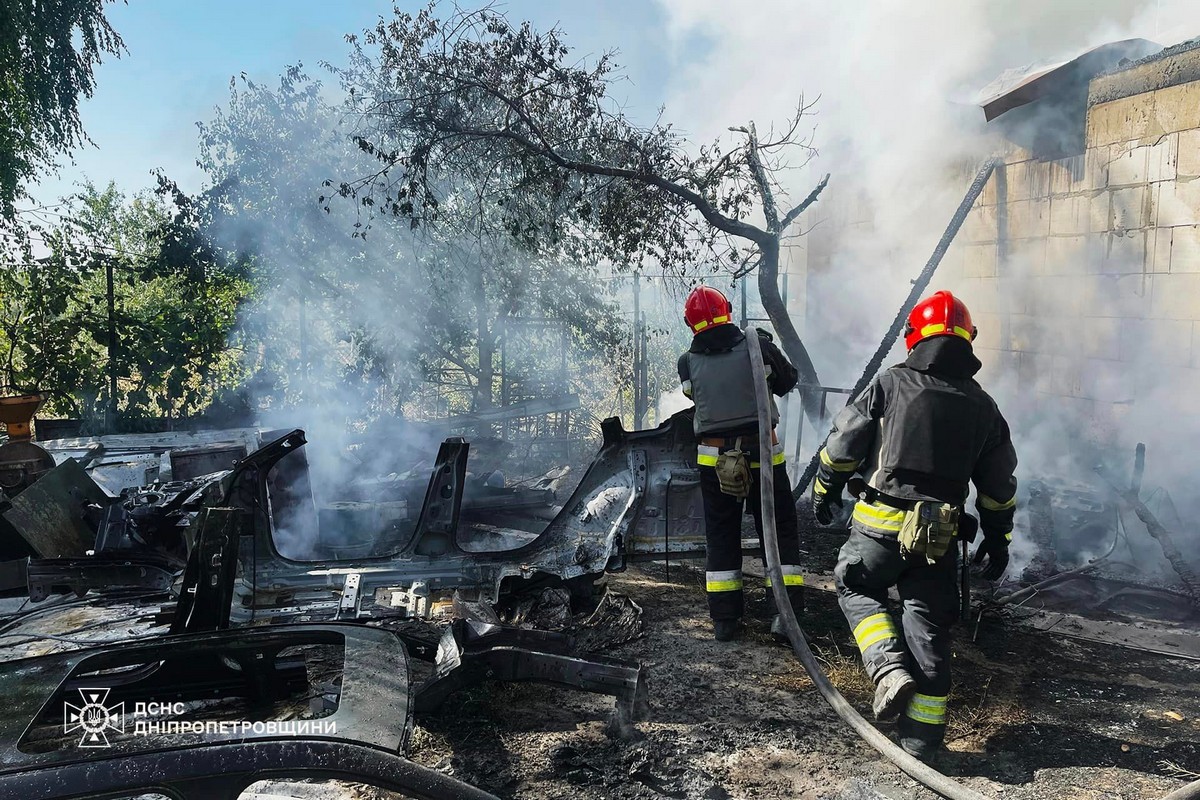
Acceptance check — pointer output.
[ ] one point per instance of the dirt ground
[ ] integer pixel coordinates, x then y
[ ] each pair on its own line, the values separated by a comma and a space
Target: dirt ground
1031, 716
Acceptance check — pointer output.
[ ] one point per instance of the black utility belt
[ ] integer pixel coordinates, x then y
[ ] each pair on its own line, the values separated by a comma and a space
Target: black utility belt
876, 496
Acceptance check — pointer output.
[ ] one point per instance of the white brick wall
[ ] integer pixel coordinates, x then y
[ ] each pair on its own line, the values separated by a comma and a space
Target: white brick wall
1185, 248
1128, 168
1166, 342
1102, 279
1028, 219
979, 260
1127, 209
1125, 296
1125, 253
1158, 249
1179, 203
1188, 157
1176, 296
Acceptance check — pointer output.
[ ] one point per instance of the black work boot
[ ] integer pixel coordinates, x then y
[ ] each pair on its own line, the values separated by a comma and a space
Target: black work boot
925, 748
795, 597
726, 630
892, 694
779, 633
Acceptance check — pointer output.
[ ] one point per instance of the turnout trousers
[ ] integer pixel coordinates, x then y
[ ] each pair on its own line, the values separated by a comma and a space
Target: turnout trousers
723, 536
868, 564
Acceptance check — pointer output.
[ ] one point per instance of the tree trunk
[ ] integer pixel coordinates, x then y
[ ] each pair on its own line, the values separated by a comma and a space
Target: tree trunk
486, 346
789, 339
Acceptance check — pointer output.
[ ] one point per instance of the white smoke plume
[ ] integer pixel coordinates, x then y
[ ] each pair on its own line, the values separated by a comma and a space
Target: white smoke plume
898, 128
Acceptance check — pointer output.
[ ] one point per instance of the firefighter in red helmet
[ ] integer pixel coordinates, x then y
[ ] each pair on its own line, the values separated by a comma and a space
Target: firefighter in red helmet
715, 372
918, 435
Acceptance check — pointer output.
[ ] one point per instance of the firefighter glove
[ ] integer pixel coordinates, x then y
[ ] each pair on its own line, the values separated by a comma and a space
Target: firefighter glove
824, 503
997, 560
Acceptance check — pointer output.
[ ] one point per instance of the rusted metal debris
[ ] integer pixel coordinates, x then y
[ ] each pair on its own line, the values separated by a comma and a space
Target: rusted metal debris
1130, 496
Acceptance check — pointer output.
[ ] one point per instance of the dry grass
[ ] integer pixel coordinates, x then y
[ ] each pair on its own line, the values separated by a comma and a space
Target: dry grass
1176, 771
424, 739
978, 716
845, 671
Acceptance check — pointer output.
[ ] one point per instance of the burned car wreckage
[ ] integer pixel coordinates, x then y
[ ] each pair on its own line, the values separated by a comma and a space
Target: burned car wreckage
221, 576
463, 584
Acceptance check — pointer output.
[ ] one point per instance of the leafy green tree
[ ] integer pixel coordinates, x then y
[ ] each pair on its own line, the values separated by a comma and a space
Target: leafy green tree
174, 309
475, 104
374, 309
48, 49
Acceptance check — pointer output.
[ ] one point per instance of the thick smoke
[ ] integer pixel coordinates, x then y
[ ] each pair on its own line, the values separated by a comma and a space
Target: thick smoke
366, 331
898, 127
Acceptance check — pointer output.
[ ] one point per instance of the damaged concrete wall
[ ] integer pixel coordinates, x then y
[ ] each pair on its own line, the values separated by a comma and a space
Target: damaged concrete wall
1084, 273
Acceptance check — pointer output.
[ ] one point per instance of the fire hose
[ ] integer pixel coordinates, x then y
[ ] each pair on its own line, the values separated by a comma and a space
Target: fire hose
1189, 792
915, 769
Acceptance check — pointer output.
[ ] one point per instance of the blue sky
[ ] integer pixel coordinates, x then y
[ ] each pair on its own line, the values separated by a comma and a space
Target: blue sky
182, 54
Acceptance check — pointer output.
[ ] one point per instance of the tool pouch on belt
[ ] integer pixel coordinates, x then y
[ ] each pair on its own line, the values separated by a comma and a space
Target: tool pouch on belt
928, 530
733, 471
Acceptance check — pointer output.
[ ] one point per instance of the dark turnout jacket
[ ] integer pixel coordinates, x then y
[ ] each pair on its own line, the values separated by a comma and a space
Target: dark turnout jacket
924, 430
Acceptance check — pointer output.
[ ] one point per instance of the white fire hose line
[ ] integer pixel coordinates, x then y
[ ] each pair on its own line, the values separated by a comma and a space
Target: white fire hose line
915, 769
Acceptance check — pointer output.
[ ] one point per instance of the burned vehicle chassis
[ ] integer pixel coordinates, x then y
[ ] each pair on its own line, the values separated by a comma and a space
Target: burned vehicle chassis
621, 510
235, 575
362, 740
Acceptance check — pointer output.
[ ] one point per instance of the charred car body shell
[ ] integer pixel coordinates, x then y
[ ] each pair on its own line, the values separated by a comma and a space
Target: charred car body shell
362, 740
638, 499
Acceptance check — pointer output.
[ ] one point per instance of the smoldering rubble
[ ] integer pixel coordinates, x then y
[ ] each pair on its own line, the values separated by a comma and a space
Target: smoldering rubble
424, 608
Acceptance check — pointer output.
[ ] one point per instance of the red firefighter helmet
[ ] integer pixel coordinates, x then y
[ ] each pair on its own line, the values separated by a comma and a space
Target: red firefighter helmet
942, 314
706, 307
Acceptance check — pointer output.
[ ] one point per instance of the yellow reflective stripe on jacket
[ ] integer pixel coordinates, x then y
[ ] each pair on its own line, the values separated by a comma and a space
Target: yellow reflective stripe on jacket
791, 575
927, 708
726, 580
989, 504
874, 629
838, 466
819, 486
1008, 536
706, 455
878, 515
777, 457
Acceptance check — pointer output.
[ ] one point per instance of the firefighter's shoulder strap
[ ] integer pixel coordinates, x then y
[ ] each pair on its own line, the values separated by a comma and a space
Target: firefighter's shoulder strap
733, 471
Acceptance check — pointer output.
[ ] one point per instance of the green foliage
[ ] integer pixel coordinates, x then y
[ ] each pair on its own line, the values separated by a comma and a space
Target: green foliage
175, 308
476, 106
475, 100
48, 49
362, 309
